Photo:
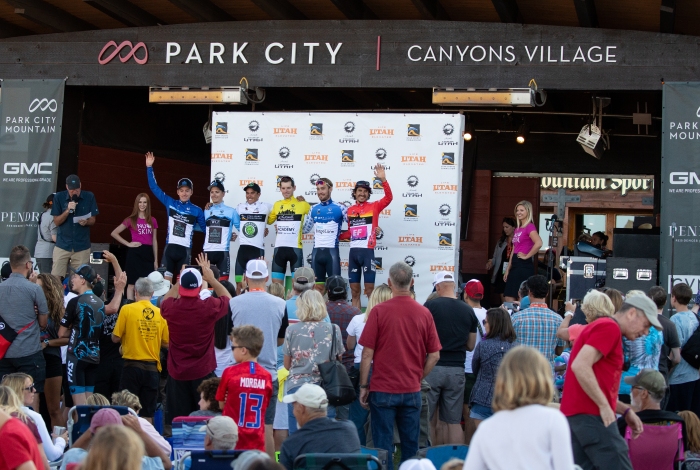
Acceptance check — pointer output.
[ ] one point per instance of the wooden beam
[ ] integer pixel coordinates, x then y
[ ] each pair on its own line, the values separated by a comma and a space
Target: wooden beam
125, 12
203, 10
587, 16
10, 30
431, 9
45, 14
667, 15
280, 9
354, 9
508, 11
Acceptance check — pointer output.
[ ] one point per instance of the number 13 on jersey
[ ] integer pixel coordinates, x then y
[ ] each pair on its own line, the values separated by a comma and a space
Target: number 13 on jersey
251, 410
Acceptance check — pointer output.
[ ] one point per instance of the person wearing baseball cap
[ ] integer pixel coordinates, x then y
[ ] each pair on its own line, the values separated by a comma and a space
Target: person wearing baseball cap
191, 320
591, 410
317, 433
82, 323
253, 215
220, 220
74, 211
221, 433
473, 295
267, 312
648, 389
183, 218
454, 321
107, 418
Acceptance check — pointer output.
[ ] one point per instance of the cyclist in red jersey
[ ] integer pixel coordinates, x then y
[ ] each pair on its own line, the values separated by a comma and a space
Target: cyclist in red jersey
363, 219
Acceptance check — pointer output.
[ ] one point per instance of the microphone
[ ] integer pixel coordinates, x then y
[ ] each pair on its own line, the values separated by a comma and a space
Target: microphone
74, 199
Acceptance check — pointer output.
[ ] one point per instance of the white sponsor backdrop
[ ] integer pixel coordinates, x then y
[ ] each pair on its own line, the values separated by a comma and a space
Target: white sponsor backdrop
421, 153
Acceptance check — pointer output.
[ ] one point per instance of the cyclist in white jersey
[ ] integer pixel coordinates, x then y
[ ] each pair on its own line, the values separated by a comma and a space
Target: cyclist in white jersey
253, 229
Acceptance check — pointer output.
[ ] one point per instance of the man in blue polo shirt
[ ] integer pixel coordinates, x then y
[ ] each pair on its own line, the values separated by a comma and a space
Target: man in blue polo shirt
74, 211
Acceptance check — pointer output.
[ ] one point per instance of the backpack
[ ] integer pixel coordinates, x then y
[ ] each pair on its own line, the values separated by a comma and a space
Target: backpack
691, 349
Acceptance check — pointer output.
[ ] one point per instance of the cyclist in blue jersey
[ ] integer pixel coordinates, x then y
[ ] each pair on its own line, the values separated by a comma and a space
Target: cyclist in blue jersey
220, 220
183, 216
326, 219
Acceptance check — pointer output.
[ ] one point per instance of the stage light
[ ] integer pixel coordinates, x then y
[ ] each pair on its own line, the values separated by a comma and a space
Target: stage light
590, 140
522, 133
490, 97
468, 131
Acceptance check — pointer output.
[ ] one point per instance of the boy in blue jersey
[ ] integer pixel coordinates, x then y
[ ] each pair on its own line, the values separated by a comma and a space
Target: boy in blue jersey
183, 216
326, 219
220, 219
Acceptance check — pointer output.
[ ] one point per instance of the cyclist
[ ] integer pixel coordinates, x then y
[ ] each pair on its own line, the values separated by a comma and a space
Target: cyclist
182, 218
363, 219
219, 219
326, 220
253, 228
289, 214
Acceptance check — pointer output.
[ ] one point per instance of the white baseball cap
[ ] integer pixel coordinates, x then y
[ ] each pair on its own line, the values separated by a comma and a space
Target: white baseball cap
443, 276
309, 395
256, 269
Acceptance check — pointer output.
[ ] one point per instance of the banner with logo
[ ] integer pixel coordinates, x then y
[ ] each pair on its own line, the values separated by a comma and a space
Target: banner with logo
30, 138
421, 154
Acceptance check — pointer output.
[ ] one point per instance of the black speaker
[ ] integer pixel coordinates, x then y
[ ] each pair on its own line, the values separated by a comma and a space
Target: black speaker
636, 243
626, 274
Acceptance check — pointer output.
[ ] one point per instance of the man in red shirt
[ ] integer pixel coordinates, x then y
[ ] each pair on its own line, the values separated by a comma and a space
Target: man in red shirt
191, 357
246, 388
592, 381
400, 337
18, 448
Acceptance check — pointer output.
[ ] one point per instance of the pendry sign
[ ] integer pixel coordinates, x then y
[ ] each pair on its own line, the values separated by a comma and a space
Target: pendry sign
356, 54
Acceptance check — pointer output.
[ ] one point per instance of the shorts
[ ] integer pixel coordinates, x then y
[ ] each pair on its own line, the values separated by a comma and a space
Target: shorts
281, 417
34, 365
54, 367
222, 260
139, 263
142, 383
446, 393
272, 405
284, 255
174, 256
80, 374
480, 412
245, 254
469, 381
361, 263
325, 262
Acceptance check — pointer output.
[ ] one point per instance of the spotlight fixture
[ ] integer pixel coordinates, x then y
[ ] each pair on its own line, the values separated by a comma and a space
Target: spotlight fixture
468, 132
523, 131
590, 140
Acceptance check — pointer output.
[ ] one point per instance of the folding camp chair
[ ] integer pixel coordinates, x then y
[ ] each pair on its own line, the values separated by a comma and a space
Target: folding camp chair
336, 461
441, 454
186, 435
657, 448
381, 454
214, 459
84, 414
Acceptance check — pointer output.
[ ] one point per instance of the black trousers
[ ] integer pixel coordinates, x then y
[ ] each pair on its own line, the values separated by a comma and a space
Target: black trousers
596, 446
181, 396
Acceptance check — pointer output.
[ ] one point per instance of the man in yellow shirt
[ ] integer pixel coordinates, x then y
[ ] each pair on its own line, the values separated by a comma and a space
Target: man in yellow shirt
142, 331
288, 214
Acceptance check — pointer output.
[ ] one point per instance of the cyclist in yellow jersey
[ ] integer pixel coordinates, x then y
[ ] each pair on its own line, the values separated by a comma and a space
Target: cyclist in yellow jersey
288, 214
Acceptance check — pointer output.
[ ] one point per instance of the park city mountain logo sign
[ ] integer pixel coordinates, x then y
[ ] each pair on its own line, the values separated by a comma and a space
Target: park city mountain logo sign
111, 50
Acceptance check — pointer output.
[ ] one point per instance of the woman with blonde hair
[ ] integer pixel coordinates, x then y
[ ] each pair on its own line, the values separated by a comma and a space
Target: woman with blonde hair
692, 429
526, 245
97, 399
23, 386
142, 257
51, 344
595, 305
11, 404
309, 343
128, 399
523, 390
115, 448
358, 415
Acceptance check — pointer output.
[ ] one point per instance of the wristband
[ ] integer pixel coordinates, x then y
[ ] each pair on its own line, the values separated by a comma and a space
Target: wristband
364, 386
626, 411
567, 313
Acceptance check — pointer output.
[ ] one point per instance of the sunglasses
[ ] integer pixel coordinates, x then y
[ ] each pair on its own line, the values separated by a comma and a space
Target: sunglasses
233, 348
31, 388
320, 183
362, 183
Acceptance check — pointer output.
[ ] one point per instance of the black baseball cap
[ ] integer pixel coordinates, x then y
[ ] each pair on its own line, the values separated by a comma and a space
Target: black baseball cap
217, 184
253, 186
363, 184
73, 182
185, 182
336, 285
87, 273
6, 270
